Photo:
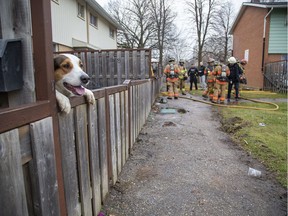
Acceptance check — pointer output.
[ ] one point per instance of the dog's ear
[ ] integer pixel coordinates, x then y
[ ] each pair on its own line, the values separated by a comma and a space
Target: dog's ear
58, 60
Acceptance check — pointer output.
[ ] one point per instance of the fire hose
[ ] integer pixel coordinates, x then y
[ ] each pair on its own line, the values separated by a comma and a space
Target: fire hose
276, 107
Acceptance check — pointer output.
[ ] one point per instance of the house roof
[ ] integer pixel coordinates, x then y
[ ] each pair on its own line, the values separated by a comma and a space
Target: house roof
257, 5
97, 7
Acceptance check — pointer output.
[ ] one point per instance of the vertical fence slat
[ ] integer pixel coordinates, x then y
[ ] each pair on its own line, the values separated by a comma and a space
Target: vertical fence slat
127, 124
119, 68
122, 126
118, 132
103, 148
83, 160
94, 159
69, 163
113, 139
44, 164
12, 190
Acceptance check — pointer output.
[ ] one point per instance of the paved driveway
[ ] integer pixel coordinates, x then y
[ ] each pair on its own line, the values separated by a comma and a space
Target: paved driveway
183, 164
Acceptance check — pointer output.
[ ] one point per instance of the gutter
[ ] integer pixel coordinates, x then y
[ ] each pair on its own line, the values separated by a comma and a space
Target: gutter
264, 39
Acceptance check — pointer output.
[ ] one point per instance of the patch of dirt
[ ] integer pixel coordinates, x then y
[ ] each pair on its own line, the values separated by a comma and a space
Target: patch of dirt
183, 111
169, 124
234, 124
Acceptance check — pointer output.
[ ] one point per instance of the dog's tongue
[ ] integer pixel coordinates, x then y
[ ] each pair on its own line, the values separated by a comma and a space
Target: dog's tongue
78, 90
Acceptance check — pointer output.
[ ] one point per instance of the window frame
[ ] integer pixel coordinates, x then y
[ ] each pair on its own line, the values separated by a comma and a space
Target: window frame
96, 20
80, 10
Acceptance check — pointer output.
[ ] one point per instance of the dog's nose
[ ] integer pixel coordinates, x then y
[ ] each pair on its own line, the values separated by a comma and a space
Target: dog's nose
85, 79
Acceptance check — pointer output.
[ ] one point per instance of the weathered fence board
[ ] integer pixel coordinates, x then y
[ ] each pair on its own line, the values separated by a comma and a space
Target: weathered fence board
69, 163
44, 165
113, 139
94, 159
12, 199
122, 129
83, 158
118, 132
25, 144
103, 148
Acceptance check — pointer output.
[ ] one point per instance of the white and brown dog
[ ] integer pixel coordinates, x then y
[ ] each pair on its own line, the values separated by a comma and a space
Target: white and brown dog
69, 81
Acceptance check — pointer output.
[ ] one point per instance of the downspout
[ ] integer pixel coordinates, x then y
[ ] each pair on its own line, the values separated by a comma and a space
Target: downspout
264, 40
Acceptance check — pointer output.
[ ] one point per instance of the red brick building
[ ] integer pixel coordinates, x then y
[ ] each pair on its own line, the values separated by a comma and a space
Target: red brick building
260, 36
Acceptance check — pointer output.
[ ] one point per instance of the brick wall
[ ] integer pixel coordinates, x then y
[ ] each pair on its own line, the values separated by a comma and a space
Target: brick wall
248, 35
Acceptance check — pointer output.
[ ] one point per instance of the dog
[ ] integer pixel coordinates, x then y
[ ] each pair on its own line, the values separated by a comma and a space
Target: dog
69, 80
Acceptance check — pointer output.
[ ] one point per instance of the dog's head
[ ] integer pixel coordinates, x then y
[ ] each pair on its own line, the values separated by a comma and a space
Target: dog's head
69, 75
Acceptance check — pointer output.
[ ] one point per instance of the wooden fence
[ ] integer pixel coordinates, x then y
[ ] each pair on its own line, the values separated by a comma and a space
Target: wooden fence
113, 67
95, 144
275, 77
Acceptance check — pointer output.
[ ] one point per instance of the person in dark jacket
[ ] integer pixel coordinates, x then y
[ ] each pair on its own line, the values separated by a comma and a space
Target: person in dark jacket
233, 73
202, 75
193, 73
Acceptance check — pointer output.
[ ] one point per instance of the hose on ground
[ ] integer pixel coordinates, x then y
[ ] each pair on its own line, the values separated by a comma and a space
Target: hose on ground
276, 107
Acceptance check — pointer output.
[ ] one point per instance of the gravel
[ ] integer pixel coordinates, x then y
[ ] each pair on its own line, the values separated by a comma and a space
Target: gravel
184, 164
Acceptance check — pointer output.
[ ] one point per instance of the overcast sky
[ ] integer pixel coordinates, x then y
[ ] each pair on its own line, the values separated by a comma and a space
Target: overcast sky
237, 3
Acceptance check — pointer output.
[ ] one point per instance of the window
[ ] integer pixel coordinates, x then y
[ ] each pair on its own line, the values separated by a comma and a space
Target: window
93, 20
111, 32
81, 11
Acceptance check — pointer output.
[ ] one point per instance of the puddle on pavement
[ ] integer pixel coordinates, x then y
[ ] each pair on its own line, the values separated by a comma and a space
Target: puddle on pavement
172, 111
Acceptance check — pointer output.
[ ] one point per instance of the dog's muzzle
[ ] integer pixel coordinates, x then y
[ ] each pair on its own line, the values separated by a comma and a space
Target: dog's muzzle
85, 79
78, 90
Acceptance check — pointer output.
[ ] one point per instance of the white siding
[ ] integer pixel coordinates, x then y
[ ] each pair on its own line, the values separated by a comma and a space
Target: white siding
66, 25
100, 37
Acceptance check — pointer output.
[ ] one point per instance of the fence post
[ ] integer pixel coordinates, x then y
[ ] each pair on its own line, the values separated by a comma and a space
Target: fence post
128, 84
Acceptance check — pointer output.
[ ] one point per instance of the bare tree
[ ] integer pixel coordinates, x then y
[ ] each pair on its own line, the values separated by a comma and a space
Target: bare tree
221, 25
202, 13
163, 17
135, 19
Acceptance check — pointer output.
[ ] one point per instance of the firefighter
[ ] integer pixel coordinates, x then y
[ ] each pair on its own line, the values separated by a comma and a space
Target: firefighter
233, 74
172, 73
182, 76
220, 72
242, 64
210, 80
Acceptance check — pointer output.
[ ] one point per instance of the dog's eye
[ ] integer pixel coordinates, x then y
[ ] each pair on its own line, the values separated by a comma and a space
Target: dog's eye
81, 65
67, 66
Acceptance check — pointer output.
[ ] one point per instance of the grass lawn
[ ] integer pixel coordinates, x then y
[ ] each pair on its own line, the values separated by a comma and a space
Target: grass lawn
262, 133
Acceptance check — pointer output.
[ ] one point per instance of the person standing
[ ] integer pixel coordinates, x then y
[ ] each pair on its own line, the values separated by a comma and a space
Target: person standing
234, 72
210, 80
220, 83
172, 73
202, 72
182, 76
193, 73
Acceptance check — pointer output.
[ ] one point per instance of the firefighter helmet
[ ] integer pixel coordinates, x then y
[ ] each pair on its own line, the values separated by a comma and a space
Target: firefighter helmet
216, 63
171, 59
232, 60
181, 61
210, 60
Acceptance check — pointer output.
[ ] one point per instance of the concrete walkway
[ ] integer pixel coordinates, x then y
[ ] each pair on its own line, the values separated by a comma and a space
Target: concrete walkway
183, 164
